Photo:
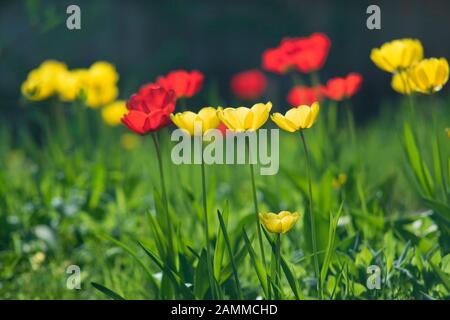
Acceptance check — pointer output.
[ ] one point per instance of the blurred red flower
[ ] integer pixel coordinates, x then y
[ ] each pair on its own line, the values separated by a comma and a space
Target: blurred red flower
149, 109
223, 128
338, 88
248, 85
301, 95
306, 54
184, 83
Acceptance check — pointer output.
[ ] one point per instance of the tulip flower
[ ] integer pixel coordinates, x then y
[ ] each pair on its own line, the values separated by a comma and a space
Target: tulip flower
71, 83
113, 113
429, 75
245, 119
279, 223
101, 84
207, 117
242, 120
338, 89
187, 121
397, 55
184, 83
296, 119
402, 83
42, 82
300, 95
149, 109
305, 54
248, 85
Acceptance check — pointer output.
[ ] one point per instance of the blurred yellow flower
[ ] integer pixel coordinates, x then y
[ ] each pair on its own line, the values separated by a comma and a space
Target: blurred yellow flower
298, 118
279, 223
37, 259
430, 75
397, 55
339, 181
113, 113
207, 117
42, 82
401, 82
101, 84
447, 131
71, 83
129, 141
245, 119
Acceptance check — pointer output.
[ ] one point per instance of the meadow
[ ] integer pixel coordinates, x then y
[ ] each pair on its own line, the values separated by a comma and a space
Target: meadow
77, 191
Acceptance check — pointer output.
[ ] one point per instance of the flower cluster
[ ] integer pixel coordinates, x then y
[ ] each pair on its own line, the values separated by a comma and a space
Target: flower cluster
308, 55
96, 84
411, 72
304, 54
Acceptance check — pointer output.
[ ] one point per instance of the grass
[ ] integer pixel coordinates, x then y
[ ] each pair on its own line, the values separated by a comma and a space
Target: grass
73, 193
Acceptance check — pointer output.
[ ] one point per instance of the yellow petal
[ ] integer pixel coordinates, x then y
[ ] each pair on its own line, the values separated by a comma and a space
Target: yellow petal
281, 122
260, 113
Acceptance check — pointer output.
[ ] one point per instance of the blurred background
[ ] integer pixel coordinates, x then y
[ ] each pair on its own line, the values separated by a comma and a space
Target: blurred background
147, 38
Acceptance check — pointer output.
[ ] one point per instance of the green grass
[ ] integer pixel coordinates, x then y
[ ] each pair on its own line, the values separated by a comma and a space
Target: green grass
76, 195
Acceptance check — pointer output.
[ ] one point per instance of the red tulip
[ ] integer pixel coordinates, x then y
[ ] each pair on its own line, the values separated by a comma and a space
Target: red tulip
301, 95
338, 89
276, 60
312, 52
306, 54
184, 83
149, 109
248, 85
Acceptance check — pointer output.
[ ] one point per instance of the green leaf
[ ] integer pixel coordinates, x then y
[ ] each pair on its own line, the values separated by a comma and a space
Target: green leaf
257, 264
201, 281
134, 255
230, 253
220, 244
414, 157
331, 244
442, 276
108, 292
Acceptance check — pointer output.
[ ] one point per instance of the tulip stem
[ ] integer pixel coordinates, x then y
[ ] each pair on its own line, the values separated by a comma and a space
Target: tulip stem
277, 266
206, 227
171, 254
311, 215
350, 122
255, 201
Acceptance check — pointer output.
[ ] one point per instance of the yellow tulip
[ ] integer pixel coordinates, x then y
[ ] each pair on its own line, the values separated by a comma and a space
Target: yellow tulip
207, 117
430, 75
101, 84
101, 72
397, 54
113, 113
245, 119
301, 117
401, 82
42, 82
71, 83
279, 223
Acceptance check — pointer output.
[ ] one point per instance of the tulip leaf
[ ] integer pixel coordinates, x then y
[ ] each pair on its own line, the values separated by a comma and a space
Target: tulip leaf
258, 265
230, 253
108, 292
219, 251
134, 255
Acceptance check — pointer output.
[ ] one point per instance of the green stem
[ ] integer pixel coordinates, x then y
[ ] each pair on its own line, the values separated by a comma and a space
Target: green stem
255, 201
315, 79
171, 254
350, 123
206, 228
277, 265
311, 215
